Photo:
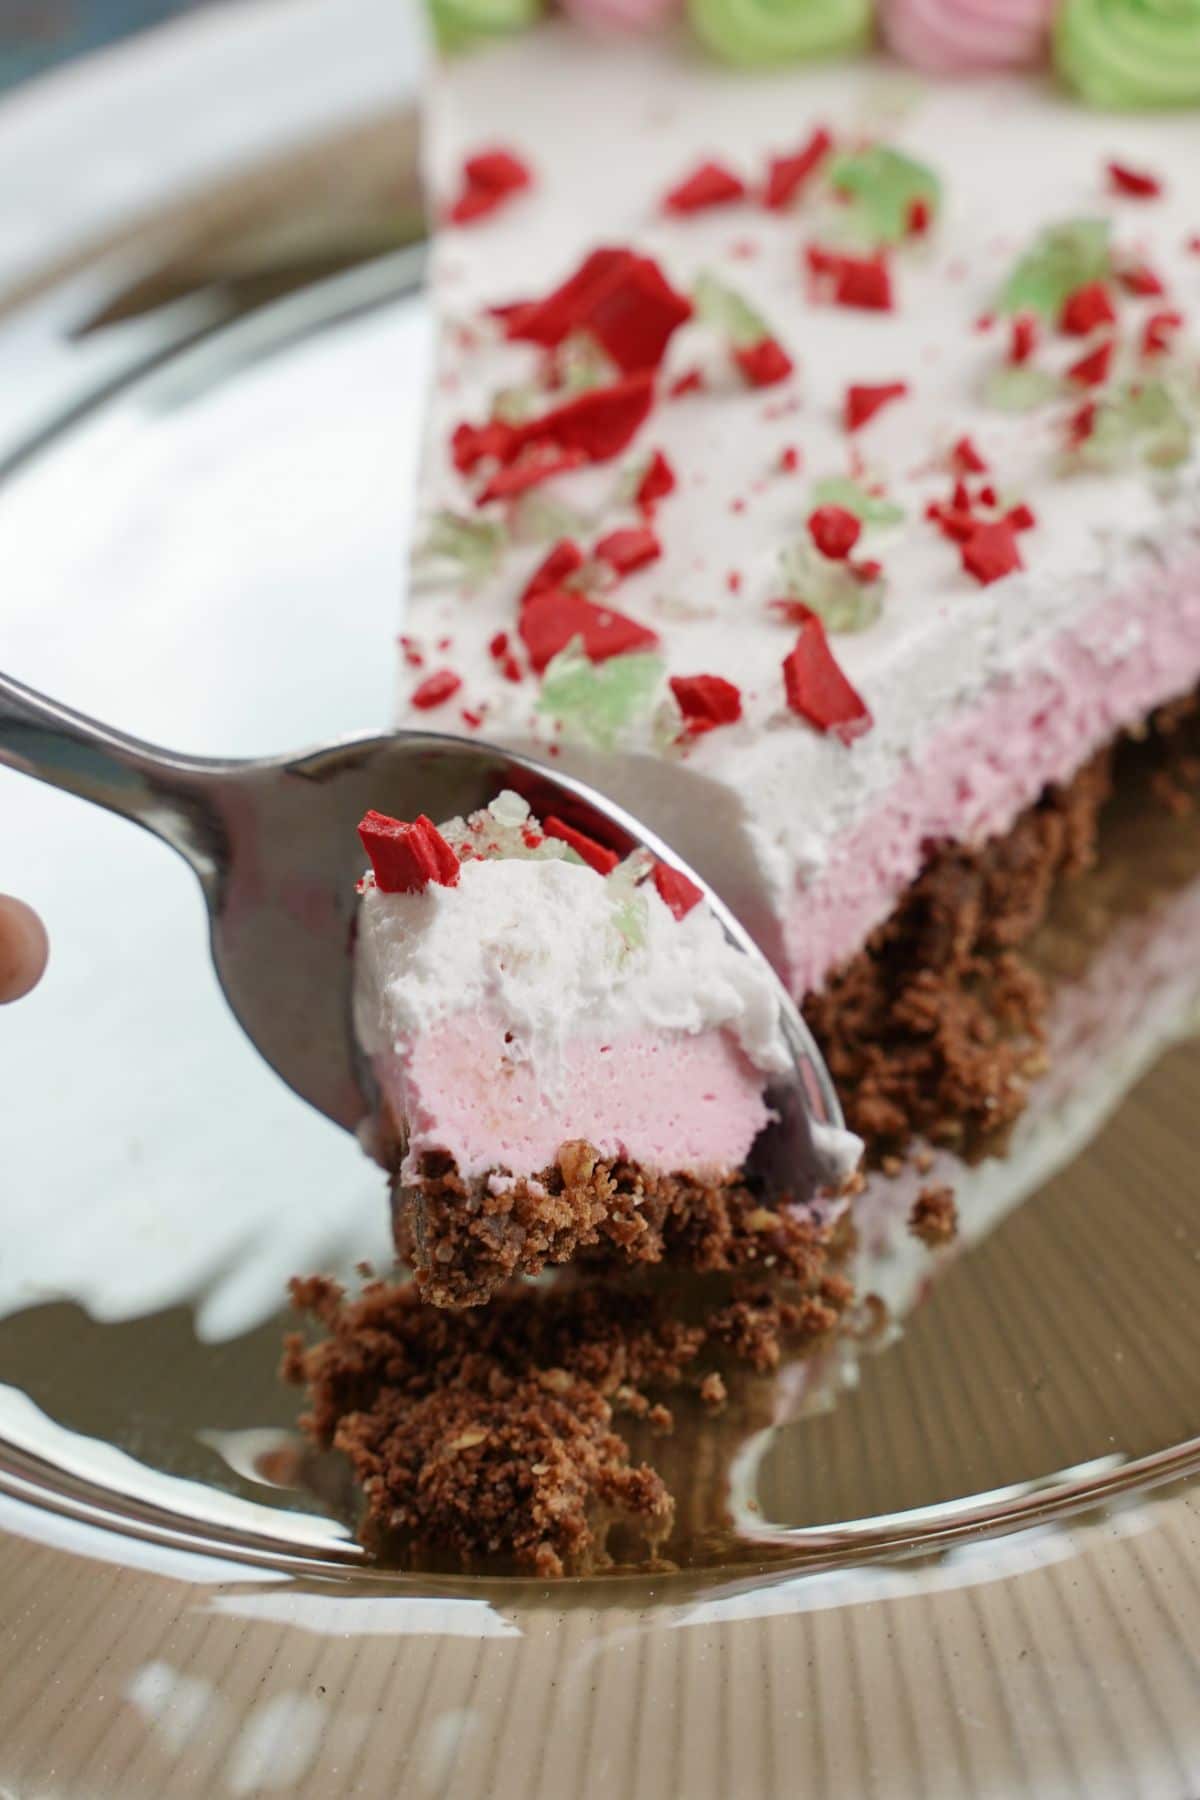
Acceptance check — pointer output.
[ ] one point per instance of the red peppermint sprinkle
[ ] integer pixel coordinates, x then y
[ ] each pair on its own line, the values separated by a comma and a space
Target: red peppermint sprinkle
991, 552
472, 718
598, 424
628, 549
709, 185
1140, 279
690, 382
553, 618
863, 282
595, 855
1023, 339
816, 687
1135, 182
675, 890
1158, 333
1087, 309
472, 444
657, 482
622, 300
562, 561
786, 175
706, 701
406, 857
834, 531
789, 460
954, 522
763, 364
863, 400
1093, 369
538, 465
919, 219
489, 178
1081, 424
501, 653
435, 690
965, 459
1021, 517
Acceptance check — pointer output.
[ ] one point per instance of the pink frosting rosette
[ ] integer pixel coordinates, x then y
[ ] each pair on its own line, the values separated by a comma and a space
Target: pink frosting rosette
954, 37
622, 15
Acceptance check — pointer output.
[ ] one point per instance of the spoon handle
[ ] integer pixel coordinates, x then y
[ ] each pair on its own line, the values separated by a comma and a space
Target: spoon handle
164, 793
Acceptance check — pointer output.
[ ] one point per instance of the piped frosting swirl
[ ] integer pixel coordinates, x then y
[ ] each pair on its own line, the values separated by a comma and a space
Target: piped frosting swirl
951, 37
765, 32
1130, 53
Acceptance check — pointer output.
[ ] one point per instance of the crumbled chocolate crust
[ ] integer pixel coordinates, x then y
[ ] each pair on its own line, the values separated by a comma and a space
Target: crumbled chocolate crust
489, 1434
464, 1240
934, 1217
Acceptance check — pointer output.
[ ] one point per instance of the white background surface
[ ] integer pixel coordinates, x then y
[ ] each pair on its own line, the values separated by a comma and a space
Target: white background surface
218, 570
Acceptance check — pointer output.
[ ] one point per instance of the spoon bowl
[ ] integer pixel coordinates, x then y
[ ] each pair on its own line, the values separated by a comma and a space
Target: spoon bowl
273, 843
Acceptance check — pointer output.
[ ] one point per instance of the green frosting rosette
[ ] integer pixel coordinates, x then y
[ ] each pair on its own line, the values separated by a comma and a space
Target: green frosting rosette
1130, 53
460, 23
760, 33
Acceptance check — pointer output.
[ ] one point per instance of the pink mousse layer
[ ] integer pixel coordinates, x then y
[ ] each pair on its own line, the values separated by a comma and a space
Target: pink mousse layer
672, 1104
1114, 665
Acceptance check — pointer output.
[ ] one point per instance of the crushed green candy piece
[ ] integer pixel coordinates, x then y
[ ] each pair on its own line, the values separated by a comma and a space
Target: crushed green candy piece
583, 364
835, 593
598, 702
883, 187
1062, 258
538, 518
629, 920
872, 509
473, 546
724, 309
1136, 423
515, 404
1019, 388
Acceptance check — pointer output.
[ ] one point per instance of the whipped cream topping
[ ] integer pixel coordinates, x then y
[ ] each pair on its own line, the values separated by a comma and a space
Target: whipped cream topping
778, 796
538, 946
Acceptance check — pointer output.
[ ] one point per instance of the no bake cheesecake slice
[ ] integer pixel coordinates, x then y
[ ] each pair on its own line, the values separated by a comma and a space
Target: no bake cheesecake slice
571, 1055
812, 467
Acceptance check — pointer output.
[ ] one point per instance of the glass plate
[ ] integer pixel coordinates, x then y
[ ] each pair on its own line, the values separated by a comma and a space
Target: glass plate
960, 1557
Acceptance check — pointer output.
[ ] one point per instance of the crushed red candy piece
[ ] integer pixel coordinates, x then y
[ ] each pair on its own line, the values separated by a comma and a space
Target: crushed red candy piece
435, 690
954, 522
862, 282
554, 617
657, 482
965, 459
598, 423
623, 300
628, 549
991, 551
538, 465
1021, 517
1140, 279
1081, 424
489, 178
1138, 184
706, 701
1023, 339
500, 650
406, 857
789, 460
472, 718
675, 890
711, 184
1093, 369
1158, 333
987, 495
834, 531
690, 382
557, 566
763, 364
816, 687
1087, 309
472, 444
596, 856
864, 399
786, 175
919, 218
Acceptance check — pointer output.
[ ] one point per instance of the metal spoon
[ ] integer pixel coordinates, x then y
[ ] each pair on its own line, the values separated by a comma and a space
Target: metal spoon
273, 844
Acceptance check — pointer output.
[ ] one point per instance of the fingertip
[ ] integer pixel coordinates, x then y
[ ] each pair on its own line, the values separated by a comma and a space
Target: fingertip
24, 949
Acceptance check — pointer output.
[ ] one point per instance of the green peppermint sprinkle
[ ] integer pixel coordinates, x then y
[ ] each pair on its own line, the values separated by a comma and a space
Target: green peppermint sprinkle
1064, 257
1136, 423
598, 702
1019, 388
725, 310
872, 509
629, 920
831, 589
472, 546
883, 186
538, 518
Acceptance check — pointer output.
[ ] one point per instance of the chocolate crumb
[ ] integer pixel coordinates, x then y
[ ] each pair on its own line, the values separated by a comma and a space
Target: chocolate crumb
934, 1217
